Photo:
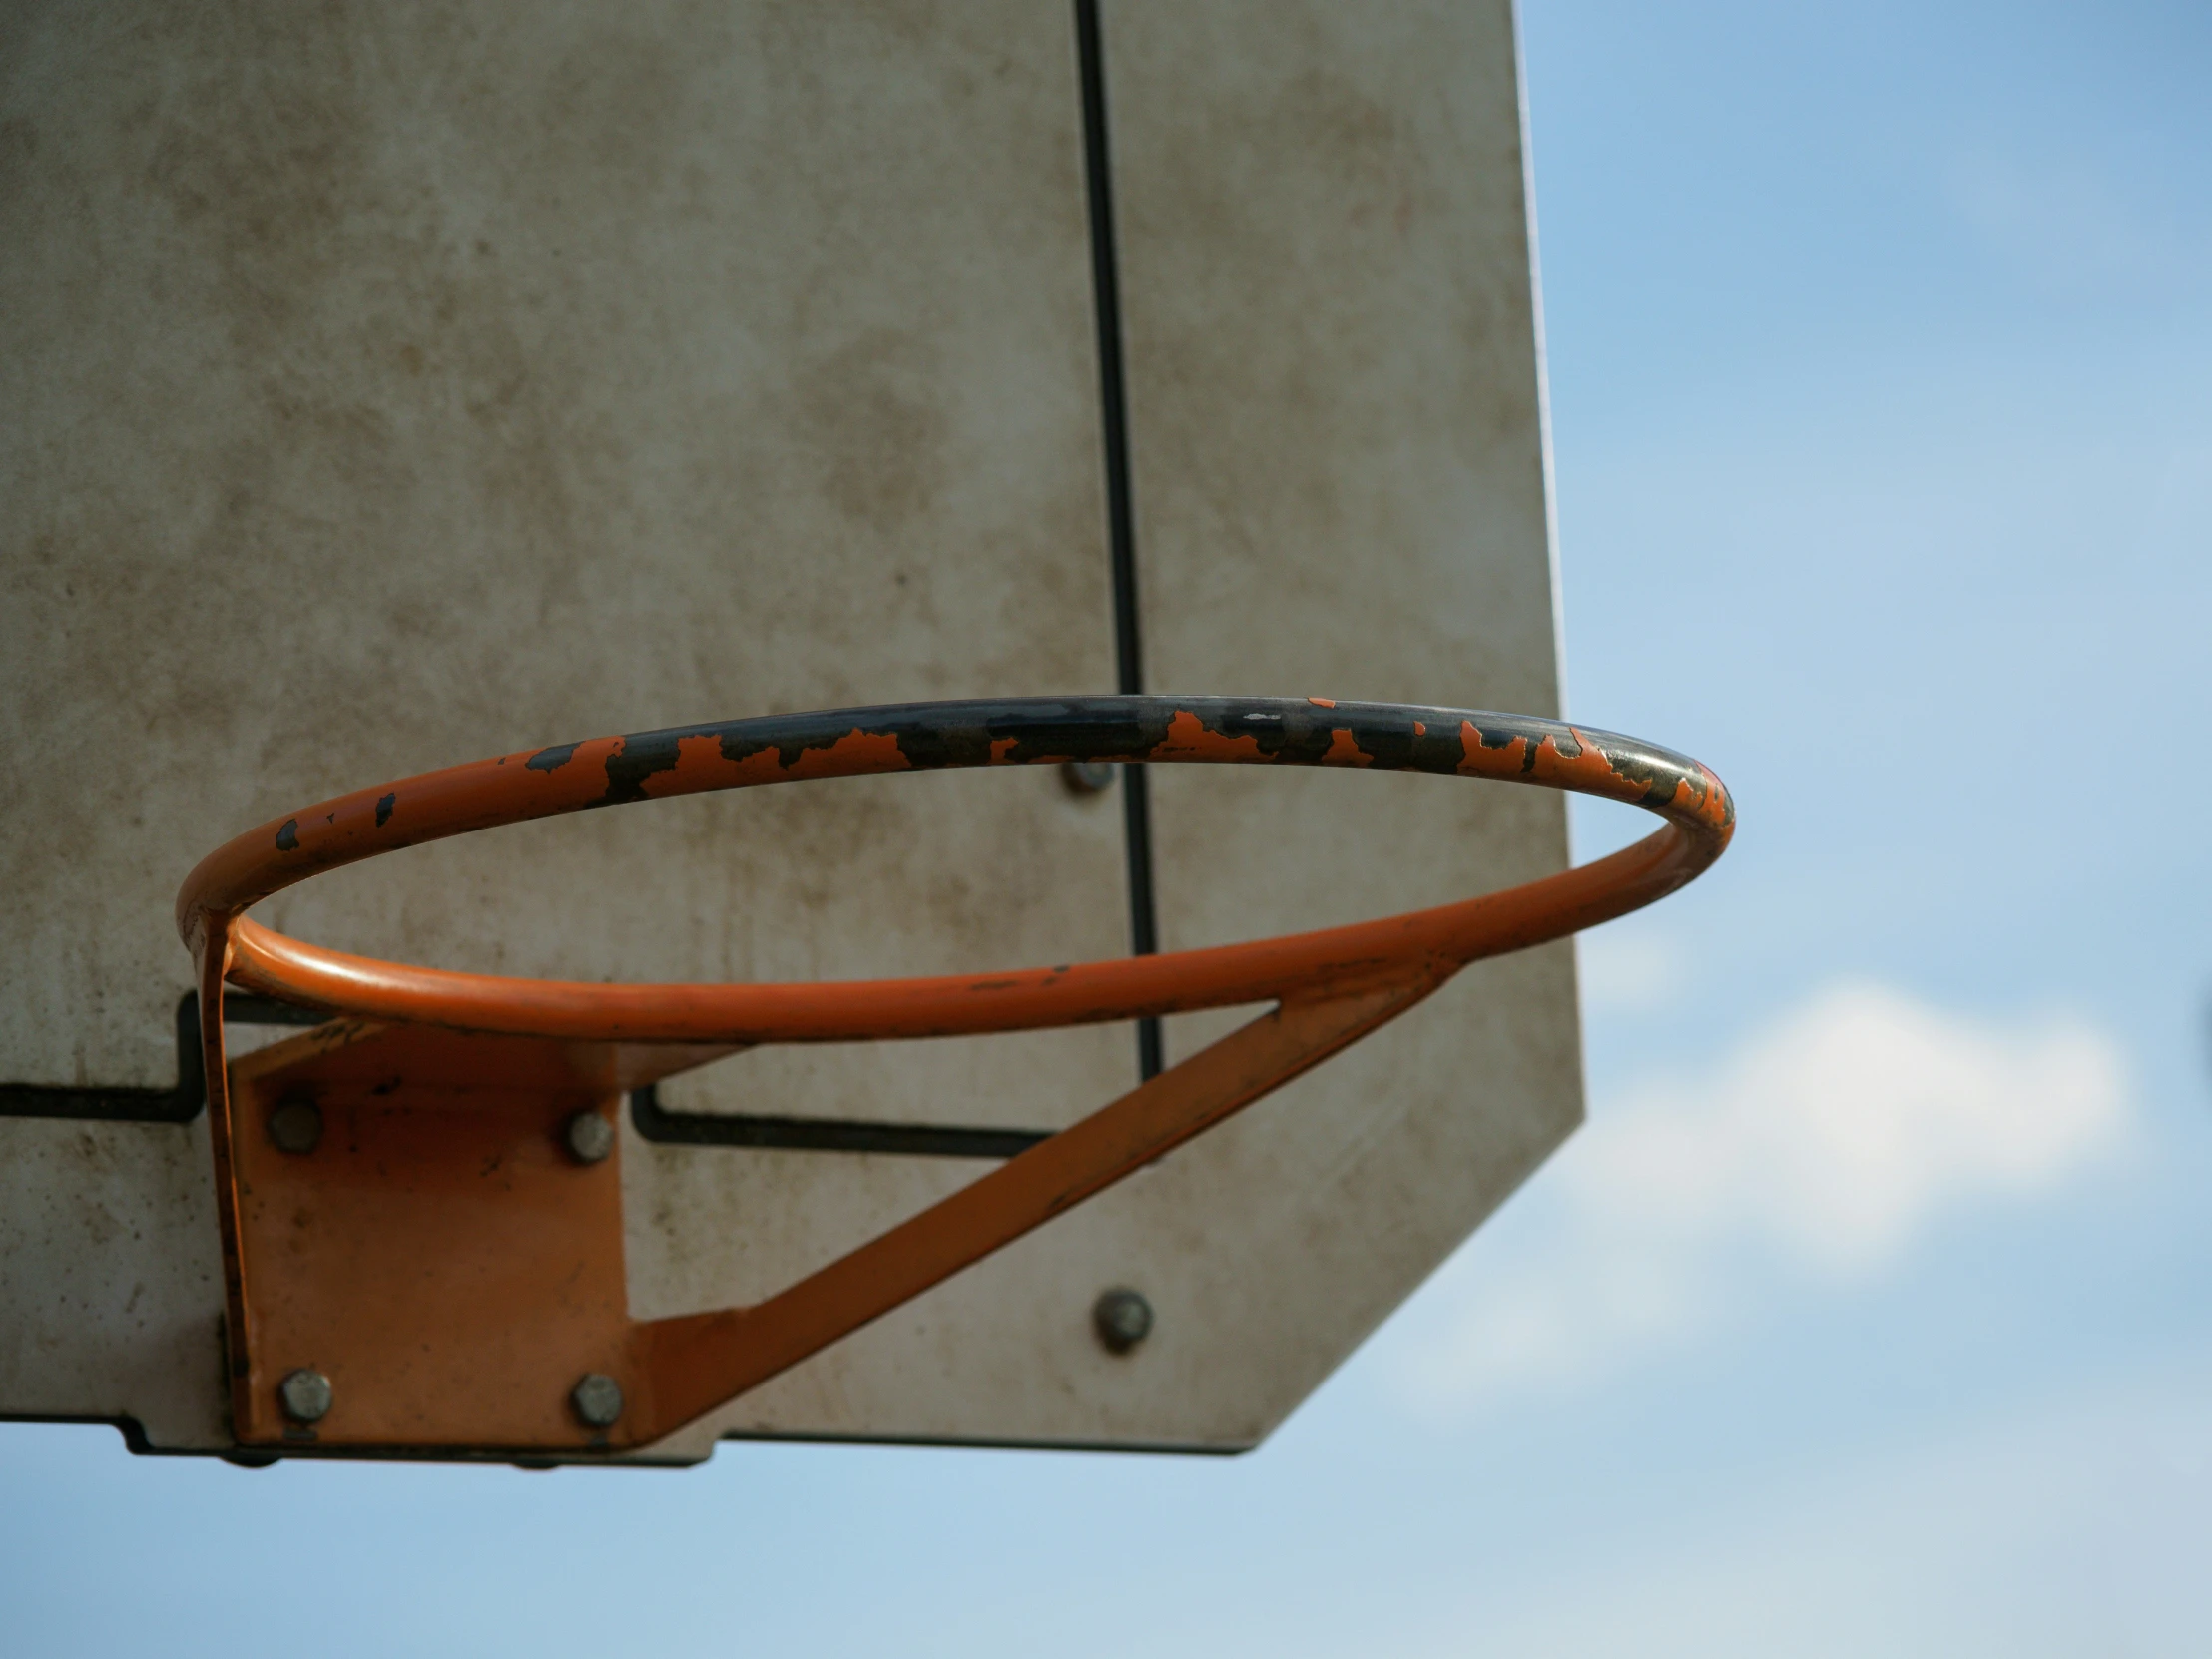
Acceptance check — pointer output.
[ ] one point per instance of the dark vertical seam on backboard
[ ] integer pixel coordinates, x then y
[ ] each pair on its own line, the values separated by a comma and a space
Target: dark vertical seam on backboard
1144, 931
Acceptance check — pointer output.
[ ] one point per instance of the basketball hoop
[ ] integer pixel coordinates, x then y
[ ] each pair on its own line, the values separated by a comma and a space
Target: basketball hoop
467, 1047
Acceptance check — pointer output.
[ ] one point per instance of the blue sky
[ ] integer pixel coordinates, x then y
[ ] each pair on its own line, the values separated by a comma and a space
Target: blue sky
1879, 346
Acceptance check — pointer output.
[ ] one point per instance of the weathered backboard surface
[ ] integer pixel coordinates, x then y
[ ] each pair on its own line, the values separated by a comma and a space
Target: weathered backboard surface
389, 387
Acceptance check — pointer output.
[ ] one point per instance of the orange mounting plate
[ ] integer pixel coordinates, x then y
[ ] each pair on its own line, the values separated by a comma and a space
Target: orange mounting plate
420, 1198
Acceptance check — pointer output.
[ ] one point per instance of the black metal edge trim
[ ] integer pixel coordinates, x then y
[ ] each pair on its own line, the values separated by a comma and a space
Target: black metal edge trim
138, 1445
259, 1457
135, 1442
1113, 386
788, 1134
179, 1104
1144, 928
954, 1442
1121, 524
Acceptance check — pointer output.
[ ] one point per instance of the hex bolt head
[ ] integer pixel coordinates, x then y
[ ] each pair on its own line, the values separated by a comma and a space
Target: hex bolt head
295, 1126
597, 1399
1123, 1319
304, 1395
1087, 776
590, 1138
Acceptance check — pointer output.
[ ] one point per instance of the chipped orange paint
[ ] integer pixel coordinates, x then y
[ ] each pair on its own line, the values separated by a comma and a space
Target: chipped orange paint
1001, 748
1343, 752
1588, 773
1189, 738
699, 762
856, 753
762, 766
1477, 760
1323, 701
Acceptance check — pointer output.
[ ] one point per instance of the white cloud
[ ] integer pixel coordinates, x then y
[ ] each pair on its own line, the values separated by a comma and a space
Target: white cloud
1826, 1141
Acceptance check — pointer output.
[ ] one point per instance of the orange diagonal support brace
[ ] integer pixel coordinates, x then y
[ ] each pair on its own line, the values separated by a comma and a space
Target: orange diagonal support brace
695, 1363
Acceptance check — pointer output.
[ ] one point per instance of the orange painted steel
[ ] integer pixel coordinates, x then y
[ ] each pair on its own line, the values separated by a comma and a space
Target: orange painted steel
460, 1041
447, 1205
